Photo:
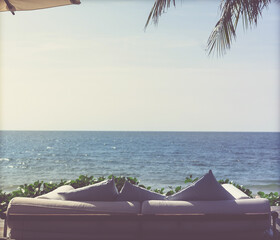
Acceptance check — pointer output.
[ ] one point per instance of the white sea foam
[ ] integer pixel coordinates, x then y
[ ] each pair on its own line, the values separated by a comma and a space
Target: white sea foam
4, 159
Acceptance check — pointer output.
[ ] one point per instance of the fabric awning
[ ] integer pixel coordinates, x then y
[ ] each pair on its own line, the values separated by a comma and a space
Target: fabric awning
22, 5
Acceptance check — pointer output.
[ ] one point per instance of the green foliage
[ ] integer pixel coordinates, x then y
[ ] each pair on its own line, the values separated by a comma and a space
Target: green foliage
177, 189
190, 179
170, 192
161, 191
173, 190
40, 187
274, 198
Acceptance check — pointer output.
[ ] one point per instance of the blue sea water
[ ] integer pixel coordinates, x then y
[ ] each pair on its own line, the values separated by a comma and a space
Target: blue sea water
157, 159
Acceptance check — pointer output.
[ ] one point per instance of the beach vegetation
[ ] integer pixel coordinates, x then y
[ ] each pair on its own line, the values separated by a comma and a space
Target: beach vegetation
273, 197
39, 188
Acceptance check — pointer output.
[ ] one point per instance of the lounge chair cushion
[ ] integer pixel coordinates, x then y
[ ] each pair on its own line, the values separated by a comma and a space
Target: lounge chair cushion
102, 191
60, 228
23, 205
240, 206
132, 192
231, 207
235, 192
205, 189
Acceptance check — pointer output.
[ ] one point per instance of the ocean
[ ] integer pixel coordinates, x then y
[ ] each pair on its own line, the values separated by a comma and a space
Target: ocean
157, 159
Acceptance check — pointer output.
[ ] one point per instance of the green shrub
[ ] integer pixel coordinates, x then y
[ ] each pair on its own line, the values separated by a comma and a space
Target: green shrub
274, 198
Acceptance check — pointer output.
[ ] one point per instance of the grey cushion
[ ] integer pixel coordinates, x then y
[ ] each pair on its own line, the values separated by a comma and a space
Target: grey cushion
102, 191
205, 189
54, 194
235, 192
239, 206
24, 205
131, 192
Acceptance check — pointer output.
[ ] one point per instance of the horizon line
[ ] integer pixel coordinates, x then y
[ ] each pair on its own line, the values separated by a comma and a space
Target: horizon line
174, 131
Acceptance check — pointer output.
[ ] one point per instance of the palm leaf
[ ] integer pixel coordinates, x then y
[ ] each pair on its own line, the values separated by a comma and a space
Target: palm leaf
224, 32
160, 6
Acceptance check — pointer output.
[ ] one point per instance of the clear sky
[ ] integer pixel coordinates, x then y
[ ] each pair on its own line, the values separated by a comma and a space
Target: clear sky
93, 67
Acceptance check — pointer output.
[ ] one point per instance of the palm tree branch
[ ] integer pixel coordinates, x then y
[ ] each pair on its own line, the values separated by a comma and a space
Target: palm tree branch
225, 30
160, 6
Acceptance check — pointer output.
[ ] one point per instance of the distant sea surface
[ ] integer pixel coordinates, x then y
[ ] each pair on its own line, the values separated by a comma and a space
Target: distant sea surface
157, 159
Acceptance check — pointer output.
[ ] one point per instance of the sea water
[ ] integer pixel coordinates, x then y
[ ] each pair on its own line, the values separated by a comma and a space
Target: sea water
157, 159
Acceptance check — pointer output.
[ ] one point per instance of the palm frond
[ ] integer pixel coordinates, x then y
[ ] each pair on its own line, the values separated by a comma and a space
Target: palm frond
160, 6
224, 32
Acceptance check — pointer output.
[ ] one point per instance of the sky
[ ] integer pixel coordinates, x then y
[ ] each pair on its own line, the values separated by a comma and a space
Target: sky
93, 67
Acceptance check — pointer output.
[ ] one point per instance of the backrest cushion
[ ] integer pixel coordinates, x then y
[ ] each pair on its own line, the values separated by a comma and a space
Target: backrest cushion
102, 191
54, 194
131, 192
205, 189
235, 192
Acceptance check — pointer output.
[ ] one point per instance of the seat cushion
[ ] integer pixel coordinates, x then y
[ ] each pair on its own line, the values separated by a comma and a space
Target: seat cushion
102, 191
71, 229
46, 206
240, 206
132, 192
205, 189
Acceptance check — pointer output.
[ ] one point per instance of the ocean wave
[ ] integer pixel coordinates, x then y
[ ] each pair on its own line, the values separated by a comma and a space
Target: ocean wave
4, 159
